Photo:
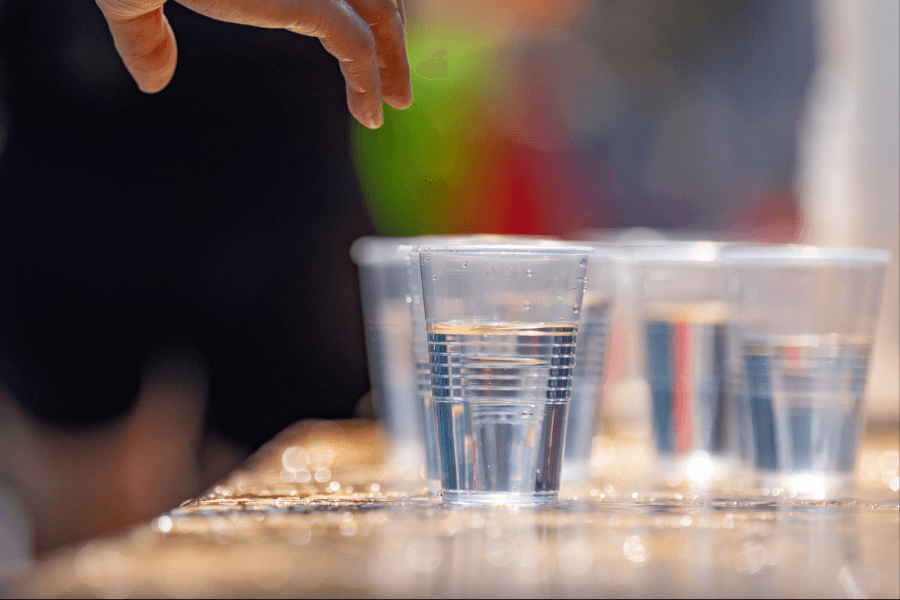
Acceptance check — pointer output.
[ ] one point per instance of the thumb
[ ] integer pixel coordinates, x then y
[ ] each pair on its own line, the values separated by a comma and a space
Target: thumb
144, 39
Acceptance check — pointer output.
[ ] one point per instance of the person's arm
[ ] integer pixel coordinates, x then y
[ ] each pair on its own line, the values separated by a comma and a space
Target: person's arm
366, 36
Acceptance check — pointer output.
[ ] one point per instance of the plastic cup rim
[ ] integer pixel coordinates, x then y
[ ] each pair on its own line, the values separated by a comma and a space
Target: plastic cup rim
699, 252
374, 250
377, 250
599, 249
801, 255
502, 249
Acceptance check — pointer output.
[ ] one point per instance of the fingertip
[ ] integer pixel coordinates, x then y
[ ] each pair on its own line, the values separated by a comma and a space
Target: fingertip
366, 108
376, 120
154, 86
148, 49
367, 118
368, 124
398, 92
399, 102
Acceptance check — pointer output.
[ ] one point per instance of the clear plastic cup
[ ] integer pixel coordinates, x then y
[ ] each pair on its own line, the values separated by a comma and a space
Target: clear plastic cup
585, 414
420, 358
585, 407
389, 338
683, 319
397, 348
502, 326
804, 319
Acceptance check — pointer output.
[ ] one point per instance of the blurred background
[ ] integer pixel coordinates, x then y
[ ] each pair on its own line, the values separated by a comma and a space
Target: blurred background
769, 121
759, 121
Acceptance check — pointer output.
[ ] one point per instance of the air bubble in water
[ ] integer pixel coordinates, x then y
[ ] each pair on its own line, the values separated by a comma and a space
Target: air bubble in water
583, 262
465, 264
526, 305
575, 308
434, 277
408, 299
528, 272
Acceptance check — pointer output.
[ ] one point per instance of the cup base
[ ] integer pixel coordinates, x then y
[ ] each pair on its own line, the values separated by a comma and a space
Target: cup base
806, 485
576, 472
457, 498
697, 470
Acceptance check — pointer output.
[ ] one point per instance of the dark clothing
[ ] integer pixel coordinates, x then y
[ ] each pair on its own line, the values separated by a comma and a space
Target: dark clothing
217, 213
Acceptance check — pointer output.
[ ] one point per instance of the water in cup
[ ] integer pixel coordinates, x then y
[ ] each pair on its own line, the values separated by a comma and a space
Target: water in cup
805, 398
685, 352
502, 323
685, 361
501, 393
422, 382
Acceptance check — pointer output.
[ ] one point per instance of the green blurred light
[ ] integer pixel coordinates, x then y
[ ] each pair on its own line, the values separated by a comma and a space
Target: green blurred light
415, 169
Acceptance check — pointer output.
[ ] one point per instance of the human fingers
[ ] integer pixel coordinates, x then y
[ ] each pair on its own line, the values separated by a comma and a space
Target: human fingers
386, 21
144, 40
343, 33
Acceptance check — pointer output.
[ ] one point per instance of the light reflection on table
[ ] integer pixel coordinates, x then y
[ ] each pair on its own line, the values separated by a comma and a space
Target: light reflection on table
317, 512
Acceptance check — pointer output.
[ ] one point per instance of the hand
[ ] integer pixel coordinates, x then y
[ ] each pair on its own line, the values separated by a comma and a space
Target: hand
366, 36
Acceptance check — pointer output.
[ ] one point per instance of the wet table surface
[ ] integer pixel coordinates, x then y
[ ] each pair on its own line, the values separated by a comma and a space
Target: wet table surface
317, 512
